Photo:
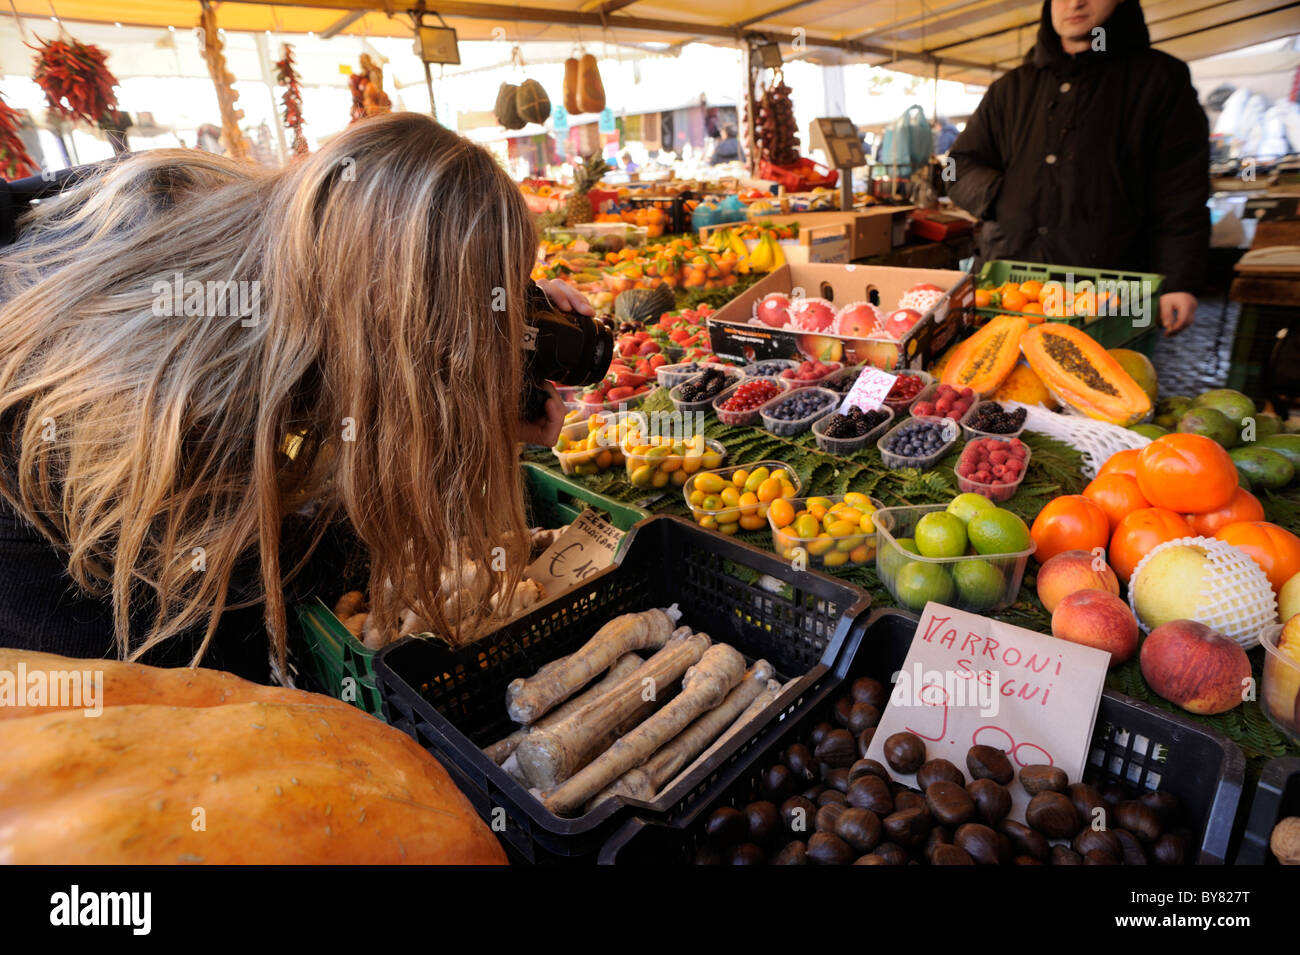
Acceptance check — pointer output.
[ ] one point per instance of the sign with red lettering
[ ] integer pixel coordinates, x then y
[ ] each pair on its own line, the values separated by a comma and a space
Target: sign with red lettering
971, 681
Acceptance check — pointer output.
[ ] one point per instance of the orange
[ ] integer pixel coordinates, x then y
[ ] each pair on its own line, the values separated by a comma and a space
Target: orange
1034, 310
1032, 289
1009, 287
983, 298
1014, 301
782, 512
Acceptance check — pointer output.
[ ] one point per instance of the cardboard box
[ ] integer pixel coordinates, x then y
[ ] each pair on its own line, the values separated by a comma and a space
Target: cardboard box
733, 336
872, 231
823, 243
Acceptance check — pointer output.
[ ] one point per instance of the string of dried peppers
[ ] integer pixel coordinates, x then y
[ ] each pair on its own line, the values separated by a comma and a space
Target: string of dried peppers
76, 81
15, 161
287, 76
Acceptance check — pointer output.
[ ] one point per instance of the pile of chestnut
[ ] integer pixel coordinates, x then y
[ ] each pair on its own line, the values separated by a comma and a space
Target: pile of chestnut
825, 803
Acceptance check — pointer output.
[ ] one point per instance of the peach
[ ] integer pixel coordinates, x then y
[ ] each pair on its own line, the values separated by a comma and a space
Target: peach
1071, 571
1097, 618
1194, 667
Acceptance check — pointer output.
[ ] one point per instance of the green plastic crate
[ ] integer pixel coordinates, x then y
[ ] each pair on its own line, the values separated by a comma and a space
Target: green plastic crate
341, 666
1109, 331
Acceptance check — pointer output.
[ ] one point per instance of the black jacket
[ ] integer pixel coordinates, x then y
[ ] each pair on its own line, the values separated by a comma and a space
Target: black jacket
1099, 160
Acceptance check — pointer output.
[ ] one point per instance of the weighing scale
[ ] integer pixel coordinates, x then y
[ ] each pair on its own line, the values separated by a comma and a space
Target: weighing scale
837, 137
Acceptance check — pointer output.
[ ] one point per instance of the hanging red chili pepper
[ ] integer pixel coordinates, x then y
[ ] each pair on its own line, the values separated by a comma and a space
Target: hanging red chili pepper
76, 81
15, 161
287, 76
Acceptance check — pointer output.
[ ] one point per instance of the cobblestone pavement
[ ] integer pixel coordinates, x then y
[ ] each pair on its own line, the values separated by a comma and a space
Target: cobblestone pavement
1198, 359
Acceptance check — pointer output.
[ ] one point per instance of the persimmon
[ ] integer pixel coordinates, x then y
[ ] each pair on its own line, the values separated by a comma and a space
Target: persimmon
1186, 473
1032, 289
1275, 549
1243, 507
1121, 462
1118, 495
1014, 300
1142, 531
1070, 522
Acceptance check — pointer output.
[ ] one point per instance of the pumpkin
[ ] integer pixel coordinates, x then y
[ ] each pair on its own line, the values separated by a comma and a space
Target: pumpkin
1275, 549
1070, 522
280, 776
985, 359
571, 85
1083, 375
1244, 506
1186, 473
1118, 495
1140, 532
1121, 462
591, 91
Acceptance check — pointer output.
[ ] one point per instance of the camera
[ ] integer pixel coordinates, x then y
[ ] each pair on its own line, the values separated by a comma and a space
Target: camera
563, 347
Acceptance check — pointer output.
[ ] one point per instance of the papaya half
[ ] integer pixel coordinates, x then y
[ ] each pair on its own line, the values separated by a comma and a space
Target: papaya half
1082, 374
984, 360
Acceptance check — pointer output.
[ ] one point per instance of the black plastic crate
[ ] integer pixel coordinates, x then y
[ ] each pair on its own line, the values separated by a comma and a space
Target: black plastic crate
453, 701
1276, 797
1132, 742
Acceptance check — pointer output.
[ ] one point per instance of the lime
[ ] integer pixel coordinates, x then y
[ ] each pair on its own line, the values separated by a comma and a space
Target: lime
918, 583
966, 506
939, 534
997, 531
891, 560
979, 584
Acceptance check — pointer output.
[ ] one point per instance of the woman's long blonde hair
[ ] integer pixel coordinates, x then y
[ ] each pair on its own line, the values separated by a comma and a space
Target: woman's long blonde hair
392, 268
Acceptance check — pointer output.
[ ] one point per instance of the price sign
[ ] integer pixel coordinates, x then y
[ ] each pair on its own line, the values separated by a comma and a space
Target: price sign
869, 391
584, 549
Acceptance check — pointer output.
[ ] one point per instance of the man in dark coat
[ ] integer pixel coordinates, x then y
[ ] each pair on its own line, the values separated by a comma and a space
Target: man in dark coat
1094, 153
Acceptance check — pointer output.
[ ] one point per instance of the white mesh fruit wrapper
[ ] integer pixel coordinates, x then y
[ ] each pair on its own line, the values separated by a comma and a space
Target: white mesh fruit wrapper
921, 299
1096, 440
801, 319
838, 329
1236, 598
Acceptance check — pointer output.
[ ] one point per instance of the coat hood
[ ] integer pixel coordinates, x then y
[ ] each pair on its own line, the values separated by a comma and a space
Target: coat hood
1126, 32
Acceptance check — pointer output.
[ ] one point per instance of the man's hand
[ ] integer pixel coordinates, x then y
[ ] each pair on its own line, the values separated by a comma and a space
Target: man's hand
545, 430
1177, 309
565, 297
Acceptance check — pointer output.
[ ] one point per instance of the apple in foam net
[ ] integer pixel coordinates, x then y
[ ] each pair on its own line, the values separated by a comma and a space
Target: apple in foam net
857, 320
812, 315
900, 321
773, 310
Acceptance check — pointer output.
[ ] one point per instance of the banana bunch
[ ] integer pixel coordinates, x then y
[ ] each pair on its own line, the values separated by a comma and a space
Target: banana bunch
767, 257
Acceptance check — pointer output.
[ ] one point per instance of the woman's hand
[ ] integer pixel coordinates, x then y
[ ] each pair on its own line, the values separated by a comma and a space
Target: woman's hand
565, 297
1177, 309
545, 430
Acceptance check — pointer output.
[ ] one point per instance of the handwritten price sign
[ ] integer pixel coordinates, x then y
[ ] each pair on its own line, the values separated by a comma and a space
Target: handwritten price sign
869, 391
587, 547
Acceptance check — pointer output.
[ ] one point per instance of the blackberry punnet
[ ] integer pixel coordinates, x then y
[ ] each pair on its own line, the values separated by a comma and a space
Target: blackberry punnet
706, 386
854, 424
992, 418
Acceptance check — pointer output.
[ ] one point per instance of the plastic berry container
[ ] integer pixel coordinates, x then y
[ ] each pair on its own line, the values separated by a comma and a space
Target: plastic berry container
661, 460
1281, 685
973, 433
853, 549
945, 580
951, 432
841, 381
927, 394
900, 408
623, 404
996, 491
752, 516
731, 378
749, 416
670, 376
605, 449
843, 447
568, 393
769, 367
786, 427
833, 366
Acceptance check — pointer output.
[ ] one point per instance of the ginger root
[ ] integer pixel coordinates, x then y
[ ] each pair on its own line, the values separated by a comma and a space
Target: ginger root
529, 700
704, 687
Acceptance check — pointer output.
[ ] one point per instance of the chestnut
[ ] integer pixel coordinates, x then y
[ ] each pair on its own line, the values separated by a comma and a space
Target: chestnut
949, 802
1115, 793
938, 836
871, 858
812, 792
819, 732
867, 690
1089, 804
992, 802
1038, 778
1091, 840
907, 799
831, 796
892, 854
934, 770
798, 813
864, 741
826, 848
905, 752
950, 855
747, 854
764, 821
827, 816
1134, 854
860, 828
984, 845
1139, 819
778, 783
1100, 857
1025, 841
1064, 855
1052, 814
907, 827
837, 779
1170, 849
988, 762
862, 717
871, 792
801, 762
1164, 804
1027, 860
838, 749
867, 767
795, 853
843, 707
727, 826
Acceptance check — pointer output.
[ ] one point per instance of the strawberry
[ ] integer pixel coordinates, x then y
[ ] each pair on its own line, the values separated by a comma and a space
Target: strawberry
656, 360
619, 394
648, 348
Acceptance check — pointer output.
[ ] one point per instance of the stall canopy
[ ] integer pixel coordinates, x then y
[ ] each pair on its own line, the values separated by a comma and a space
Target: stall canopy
967, 40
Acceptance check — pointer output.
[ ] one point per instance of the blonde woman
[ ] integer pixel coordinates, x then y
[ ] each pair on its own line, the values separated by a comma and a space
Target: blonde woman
211, 375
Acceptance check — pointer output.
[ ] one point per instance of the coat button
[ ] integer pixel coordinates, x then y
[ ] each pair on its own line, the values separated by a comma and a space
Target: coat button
1042, 230
1065, 87
1051, 159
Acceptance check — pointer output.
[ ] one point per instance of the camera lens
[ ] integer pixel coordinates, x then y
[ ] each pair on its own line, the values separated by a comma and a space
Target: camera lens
567, 348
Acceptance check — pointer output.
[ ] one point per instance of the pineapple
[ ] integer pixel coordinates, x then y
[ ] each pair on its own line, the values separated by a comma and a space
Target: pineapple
578, 209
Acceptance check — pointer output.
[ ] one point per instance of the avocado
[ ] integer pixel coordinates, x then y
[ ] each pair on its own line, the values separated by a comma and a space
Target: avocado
1287, 445
1169, 410
1211, 424
1151, 431
1243, 482
1235, 406
1266, 469
1267, 425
